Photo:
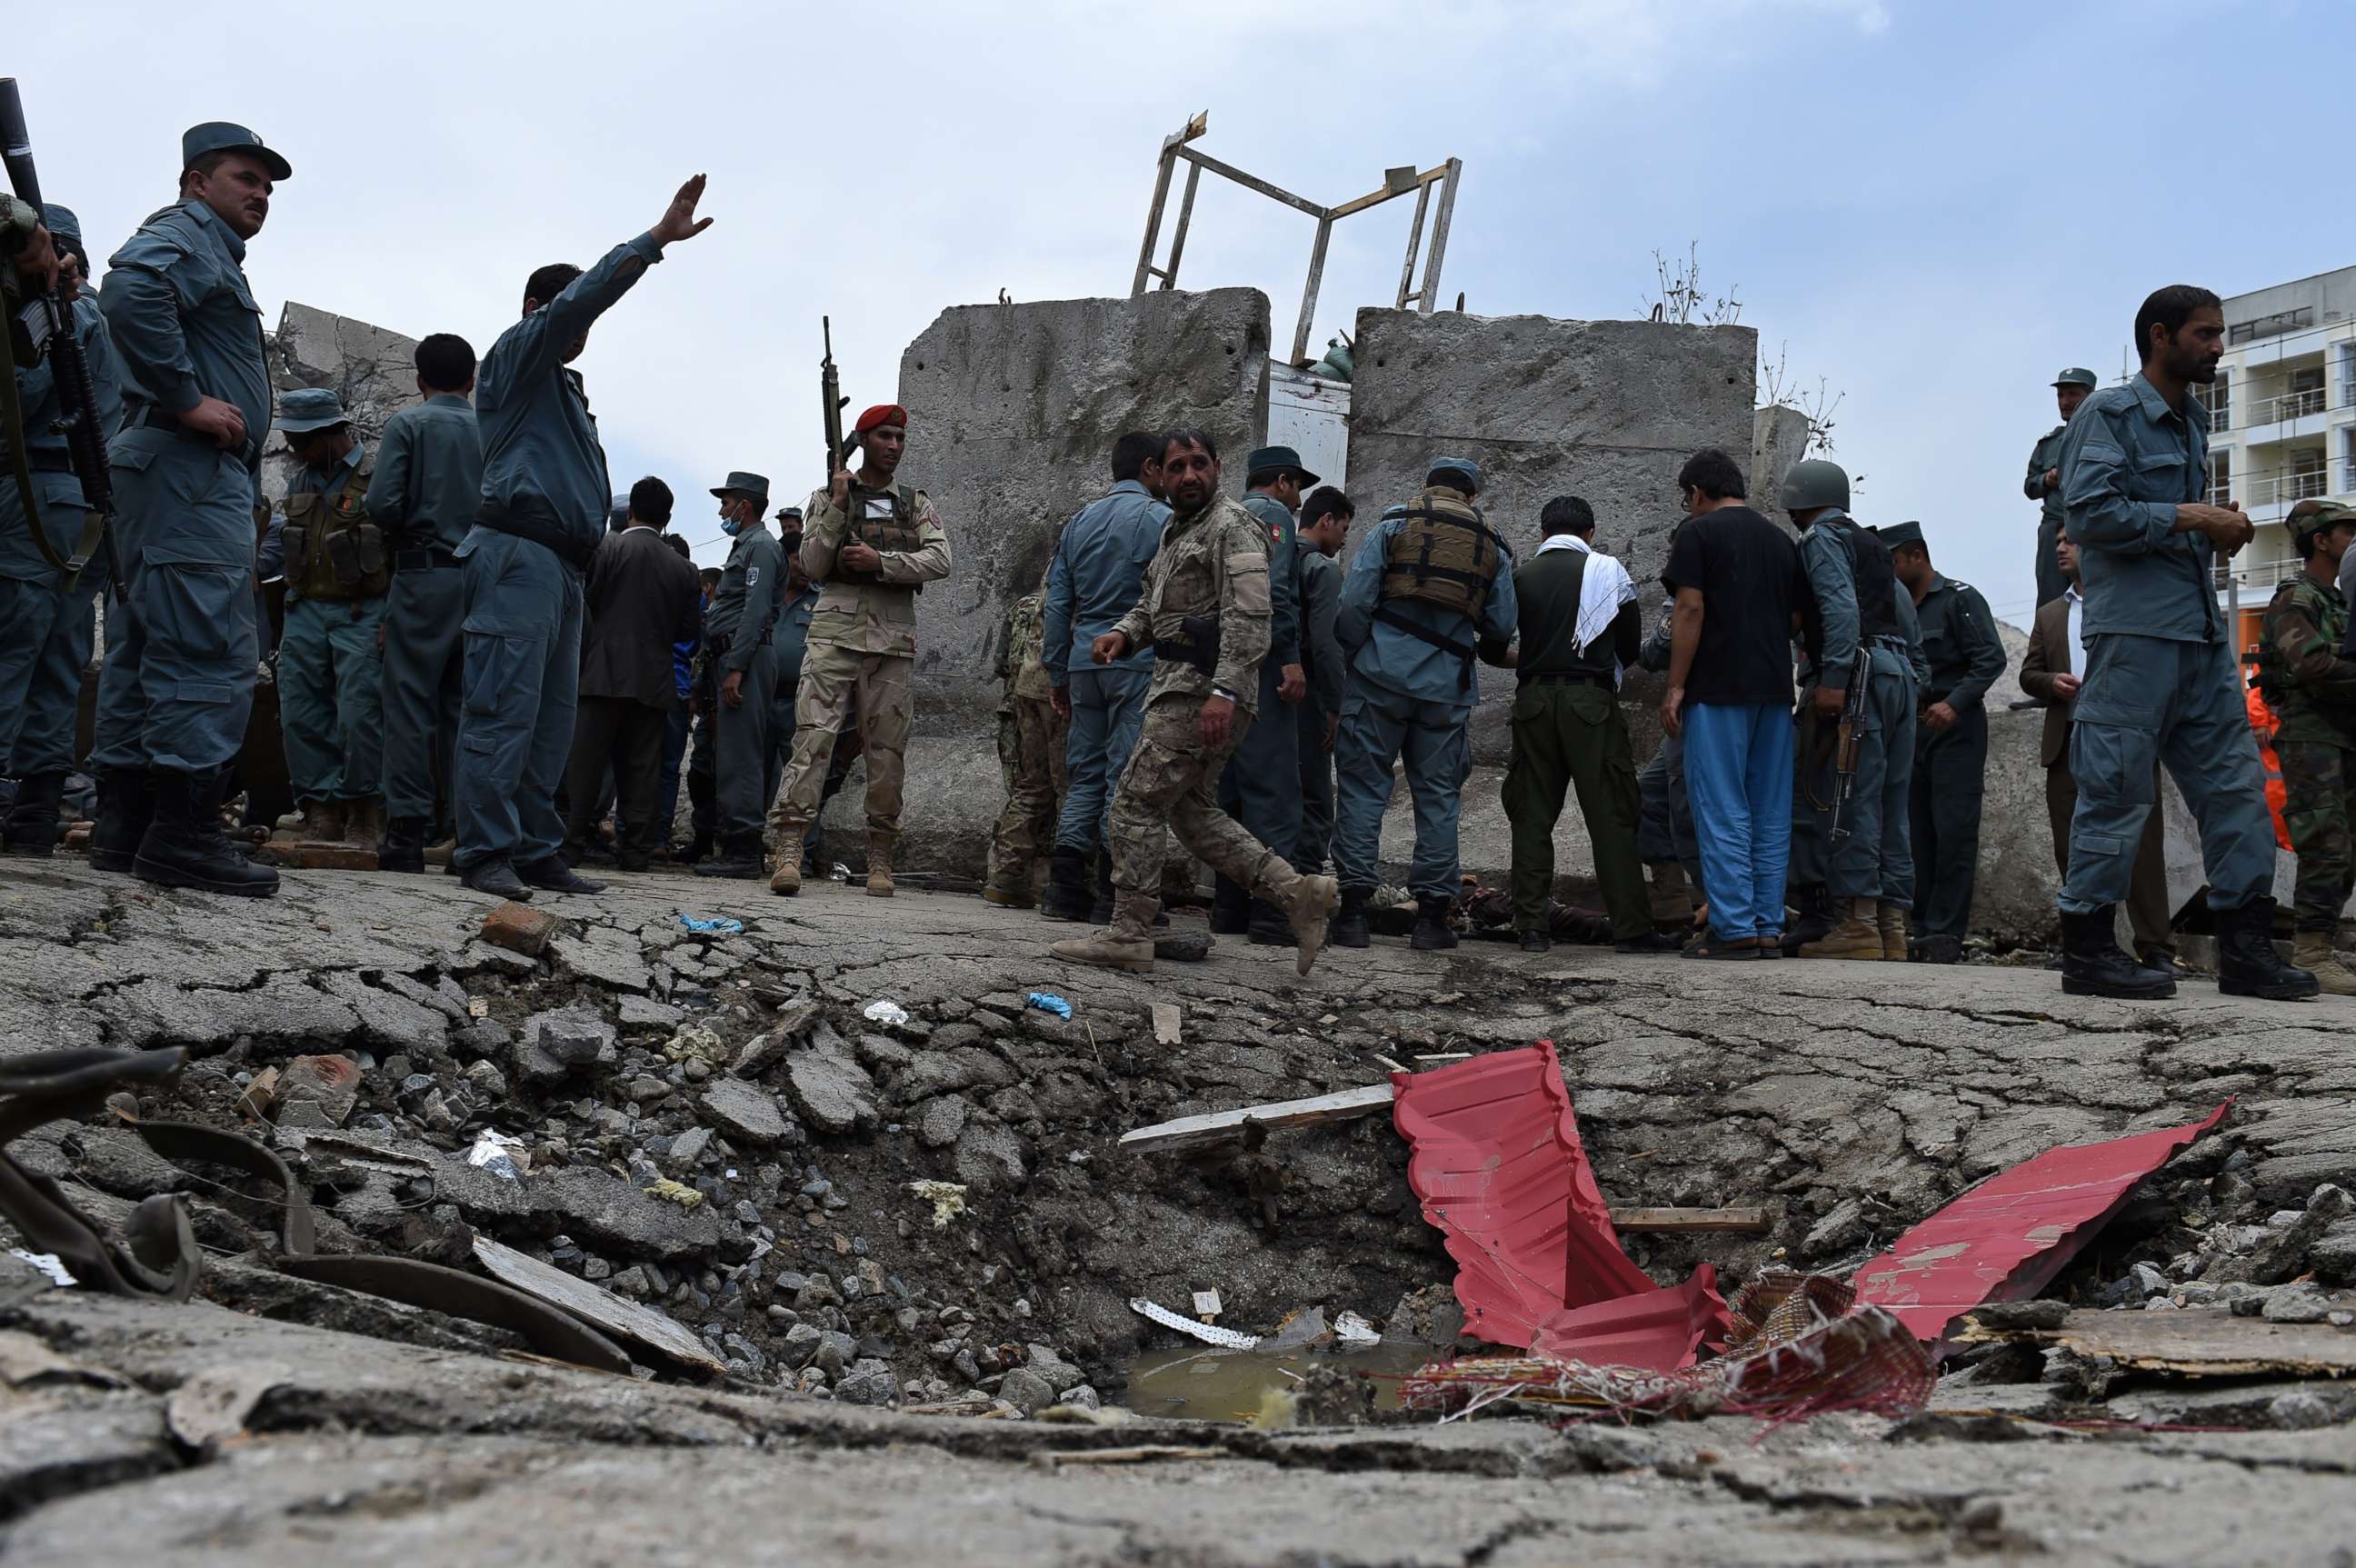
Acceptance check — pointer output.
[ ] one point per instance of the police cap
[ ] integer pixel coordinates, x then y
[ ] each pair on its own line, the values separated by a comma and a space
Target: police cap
2325, 516
1898, 533
1464, 466
741, 483
306, 409
2075, 376
1277, 459
223, 137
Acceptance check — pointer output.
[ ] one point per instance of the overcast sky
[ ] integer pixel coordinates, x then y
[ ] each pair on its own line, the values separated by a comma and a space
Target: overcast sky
1931, 206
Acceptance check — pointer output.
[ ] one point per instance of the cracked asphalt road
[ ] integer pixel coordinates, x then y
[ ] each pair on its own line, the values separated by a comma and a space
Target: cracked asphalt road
1851, 1099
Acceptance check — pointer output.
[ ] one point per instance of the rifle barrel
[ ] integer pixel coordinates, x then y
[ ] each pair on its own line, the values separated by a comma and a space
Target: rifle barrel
16, 143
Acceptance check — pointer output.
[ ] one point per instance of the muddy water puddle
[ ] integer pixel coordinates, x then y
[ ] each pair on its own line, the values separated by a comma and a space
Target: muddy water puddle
1230, 1385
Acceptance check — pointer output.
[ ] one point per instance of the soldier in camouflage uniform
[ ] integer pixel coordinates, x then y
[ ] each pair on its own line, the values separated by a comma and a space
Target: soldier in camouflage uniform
1031, 745
1205, 610
873, 542
2312, 686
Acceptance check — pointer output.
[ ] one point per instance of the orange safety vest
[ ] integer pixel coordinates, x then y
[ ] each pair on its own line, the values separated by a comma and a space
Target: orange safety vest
2263, 725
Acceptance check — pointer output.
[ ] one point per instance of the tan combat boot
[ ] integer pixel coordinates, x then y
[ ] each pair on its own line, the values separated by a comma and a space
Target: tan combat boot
1893, 921
1310, 907
364, 823
2312, 951
1127, 944
1856, 936
319, 821
1672, 894
879, 866
785, 860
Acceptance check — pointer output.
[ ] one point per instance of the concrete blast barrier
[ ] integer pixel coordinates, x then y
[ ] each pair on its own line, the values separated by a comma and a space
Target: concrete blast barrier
1012, 411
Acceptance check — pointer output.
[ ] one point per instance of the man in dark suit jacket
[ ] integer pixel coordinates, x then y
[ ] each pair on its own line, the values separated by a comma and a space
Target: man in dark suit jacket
641, 600
2050, 672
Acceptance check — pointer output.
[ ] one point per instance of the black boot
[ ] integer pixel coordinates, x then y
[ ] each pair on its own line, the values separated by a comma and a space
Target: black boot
1100, 913
1270, 927
403, 848
739, 856
1430, 933
552, 875
1817, 917
1348, 929
1230, 908
1067, 898
2247, 964
184, 845
127, 804
32, 827
495, 877
697, 847
2092, 964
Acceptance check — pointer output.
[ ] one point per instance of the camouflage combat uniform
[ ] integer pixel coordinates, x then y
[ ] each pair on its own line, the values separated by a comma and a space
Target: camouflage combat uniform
1031, 745
2313, 689
1213, 563
861, 656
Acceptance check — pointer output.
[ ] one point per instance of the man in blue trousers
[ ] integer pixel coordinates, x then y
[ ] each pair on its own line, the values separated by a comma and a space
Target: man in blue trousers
545, 494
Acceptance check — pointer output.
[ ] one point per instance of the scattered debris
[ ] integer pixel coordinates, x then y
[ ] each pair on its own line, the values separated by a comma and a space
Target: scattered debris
948, 1199
1048, 1002
49, 1264
1355, 1332
891, 1015
717, 925
1678, 1221
317, 1092
500, 1155
1167, 1022
255, 1101
1206, 1306
617, 1315
671, 1191
1219, 1126
2006, 1238
1057, 1459
519, 928
2193, 1343
1209, 1334
1658, 1330
212, 1407
1518, 1261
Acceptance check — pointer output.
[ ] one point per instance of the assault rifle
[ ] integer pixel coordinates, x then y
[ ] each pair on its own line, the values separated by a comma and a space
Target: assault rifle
1845, 741
830, 405
47, 323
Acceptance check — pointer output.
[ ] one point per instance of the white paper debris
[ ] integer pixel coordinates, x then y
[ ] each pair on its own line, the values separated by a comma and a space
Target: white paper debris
1209, 1334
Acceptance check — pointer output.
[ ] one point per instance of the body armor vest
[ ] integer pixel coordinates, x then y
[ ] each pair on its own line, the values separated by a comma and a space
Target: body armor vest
1444, 556
333, 551
883, 521
1875, 580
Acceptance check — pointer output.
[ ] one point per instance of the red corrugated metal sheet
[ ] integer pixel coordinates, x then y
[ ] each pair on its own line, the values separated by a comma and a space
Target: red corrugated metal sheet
1496, 1159
1658, 1331
2006, 1239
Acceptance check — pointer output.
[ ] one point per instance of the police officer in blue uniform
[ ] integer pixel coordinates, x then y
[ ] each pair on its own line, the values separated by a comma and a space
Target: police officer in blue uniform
2163, 681
1430, 586
45, 609
1260, 785
740, 626
545, 494
182, 651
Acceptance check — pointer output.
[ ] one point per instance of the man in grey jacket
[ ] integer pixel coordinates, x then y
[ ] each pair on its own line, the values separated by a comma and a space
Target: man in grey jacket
1325, 520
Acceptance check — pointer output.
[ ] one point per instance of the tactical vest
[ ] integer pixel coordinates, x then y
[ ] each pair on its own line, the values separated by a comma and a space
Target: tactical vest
1875, 580
333, 551
883, 521
1445, 555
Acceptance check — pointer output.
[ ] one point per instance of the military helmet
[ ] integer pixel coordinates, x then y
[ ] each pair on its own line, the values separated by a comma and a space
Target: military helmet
2310, 518
1815, 483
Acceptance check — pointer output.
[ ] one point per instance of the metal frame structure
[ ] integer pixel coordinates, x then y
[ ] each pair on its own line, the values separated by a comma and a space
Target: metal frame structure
1396, 182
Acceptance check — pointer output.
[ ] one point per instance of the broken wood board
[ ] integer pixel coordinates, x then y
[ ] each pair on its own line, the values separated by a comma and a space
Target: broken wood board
1218, 1126
2198, 1342
307, 856
595, 1305
1690, 1219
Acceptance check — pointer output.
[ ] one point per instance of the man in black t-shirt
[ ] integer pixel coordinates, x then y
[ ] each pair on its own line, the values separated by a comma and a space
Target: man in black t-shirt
1740, 596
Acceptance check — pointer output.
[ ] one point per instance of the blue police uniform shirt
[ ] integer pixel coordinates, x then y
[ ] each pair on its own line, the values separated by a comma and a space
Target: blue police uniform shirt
183, 320
1403, 662
1097, 576
2128, 461
539, 443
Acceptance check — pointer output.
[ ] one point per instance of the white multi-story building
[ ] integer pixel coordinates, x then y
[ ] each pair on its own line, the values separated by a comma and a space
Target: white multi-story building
2283, 419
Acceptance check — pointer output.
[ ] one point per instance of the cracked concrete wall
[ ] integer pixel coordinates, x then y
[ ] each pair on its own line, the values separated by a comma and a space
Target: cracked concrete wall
1779, 438
372, 369
1606, 410
1012, 410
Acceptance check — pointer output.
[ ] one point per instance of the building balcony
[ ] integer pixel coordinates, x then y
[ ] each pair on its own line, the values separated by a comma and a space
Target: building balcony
2286, 406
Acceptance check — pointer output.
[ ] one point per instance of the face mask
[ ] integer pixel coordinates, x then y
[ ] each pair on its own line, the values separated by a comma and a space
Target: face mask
730, 527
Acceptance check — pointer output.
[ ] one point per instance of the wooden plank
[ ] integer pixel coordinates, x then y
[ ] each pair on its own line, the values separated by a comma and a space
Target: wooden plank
1253, 182
1219, 1126
617, 1315
2199, 1342
1684, 1220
